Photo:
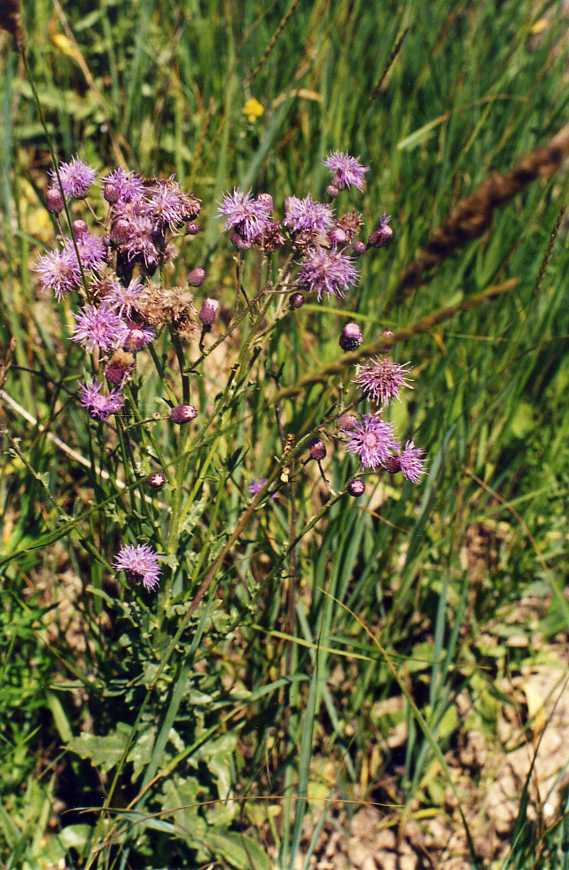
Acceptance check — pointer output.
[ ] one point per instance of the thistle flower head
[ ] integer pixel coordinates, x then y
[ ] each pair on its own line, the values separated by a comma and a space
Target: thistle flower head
169, 205
247, 215
160, 306
182, 414
306, 215
122, 186
119, 367
140, 564
123, 300
58, 272
327, 273
348, 171
54, 199
373, 440
76, 178
99, 327
411, 462
382, 379
137, 336
99, 405
317, 449
92, 251
356, 487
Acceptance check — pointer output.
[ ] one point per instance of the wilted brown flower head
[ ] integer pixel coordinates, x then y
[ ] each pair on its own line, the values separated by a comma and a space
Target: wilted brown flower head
160, 306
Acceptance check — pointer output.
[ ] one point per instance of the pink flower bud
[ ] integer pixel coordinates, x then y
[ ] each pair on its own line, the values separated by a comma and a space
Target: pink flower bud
296, 300
120, 231
356, 487
351, 337
80, 227
208, 311
347, 421
317, 450
337, 236
359, 248
183, 414
196, 277
54, 200
193, 228
111, 192
332, 191
156, 480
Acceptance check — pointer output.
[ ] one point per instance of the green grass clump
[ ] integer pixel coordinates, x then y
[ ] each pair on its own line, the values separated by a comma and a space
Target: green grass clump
341, 654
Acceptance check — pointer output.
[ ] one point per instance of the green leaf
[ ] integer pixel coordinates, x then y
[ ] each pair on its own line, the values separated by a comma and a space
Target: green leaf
103, 752
238, 850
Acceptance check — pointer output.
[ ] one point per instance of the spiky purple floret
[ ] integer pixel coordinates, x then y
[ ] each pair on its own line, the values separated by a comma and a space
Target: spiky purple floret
306, 215
256, 486
382, 379
327, 272
140, 563
247, 215
76, 178
141, 241
92, 251
348, 171
373, 440
99, 327
123, 299
137, 336
411, 462
128, 185
58, 272
100, 406
169, 205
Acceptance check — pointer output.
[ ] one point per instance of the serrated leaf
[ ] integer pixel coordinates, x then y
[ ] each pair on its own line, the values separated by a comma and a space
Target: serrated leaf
103, 752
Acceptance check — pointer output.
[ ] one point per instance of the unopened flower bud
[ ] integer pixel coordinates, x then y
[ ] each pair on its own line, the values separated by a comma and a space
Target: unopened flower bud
347, 421
208, 311
193, 228
317, 450
111, 192
196, 277
120, 231
351, 337
332, 191
54, 200
337, 236
156, 480
359, 248
392, 464
119, 366
382, 234
356, 487
296, 300
80, 227
183, 414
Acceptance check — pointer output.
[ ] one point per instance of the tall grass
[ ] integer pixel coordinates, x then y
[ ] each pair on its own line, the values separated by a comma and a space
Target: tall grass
152, 733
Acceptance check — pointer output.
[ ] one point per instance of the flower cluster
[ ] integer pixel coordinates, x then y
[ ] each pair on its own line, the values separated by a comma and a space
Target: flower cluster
111, 268
323, 244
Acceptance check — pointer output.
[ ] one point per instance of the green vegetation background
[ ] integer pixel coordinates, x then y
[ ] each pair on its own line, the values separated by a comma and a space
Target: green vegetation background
240, 708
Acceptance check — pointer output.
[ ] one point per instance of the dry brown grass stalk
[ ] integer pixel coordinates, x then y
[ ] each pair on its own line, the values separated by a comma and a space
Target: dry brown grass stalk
473, 215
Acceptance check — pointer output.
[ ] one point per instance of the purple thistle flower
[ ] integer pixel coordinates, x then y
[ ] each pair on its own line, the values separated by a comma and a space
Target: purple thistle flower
99, 328
327, 272
140, 563
122, 186
169, 204
373, 440
58, 272
92, 251
348, 172
137, 336
76, 178
140, 240
382, 379
100, 406
247, 215
123, 299
411, 462
306, 215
